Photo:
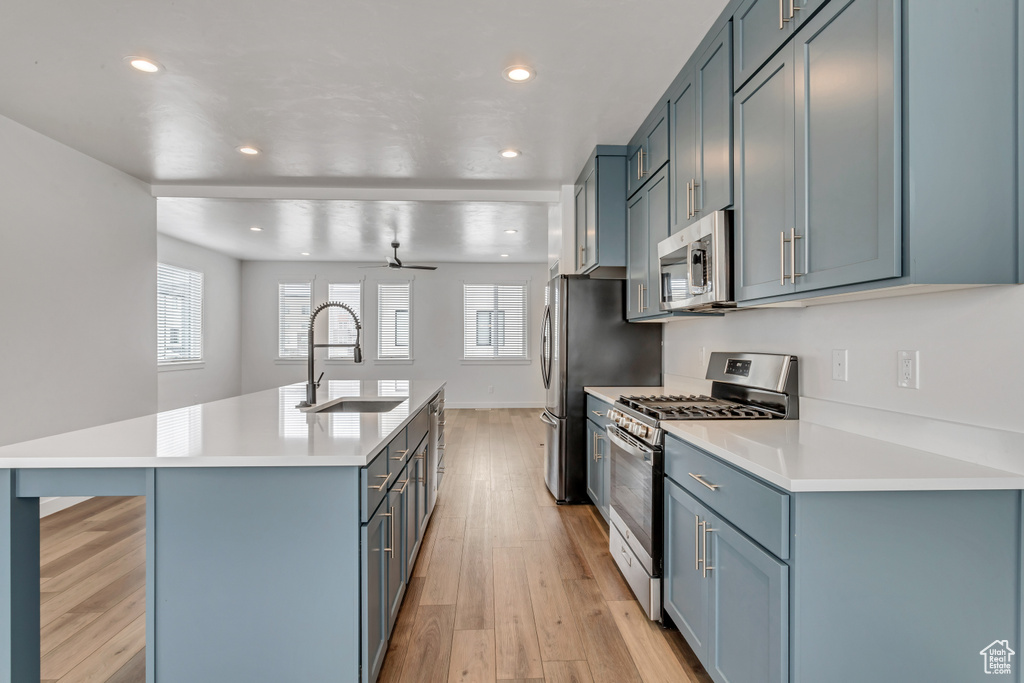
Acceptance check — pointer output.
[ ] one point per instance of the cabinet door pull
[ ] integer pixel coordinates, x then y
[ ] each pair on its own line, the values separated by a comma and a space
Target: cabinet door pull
391, 522
707, 567
697, 524
793, 237
640, 165
384, 483
583, 256
782, 15
687, 201
793, 8
597, 447
403, 483
700, 478
599, 414
693, 190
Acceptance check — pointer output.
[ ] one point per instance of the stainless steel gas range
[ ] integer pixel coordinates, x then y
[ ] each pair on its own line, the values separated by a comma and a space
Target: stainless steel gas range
745, 386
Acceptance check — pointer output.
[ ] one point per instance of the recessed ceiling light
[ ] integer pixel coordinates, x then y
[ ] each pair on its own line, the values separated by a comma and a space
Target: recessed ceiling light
305, 253
518, 74
249, 149
509, 153
511, 232
256, 229
144, 64
504, 256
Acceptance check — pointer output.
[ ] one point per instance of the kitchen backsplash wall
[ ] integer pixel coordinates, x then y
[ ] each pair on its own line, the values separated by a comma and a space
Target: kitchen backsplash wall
970, 344
437, 328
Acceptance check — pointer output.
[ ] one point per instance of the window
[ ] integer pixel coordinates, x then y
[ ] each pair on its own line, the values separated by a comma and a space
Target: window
495, 322
341, 328
179, 315
293, 299
393, 321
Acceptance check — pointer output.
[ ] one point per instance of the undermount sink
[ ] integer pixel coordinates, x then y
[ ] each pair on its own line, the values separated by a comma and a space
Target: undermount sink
353, 404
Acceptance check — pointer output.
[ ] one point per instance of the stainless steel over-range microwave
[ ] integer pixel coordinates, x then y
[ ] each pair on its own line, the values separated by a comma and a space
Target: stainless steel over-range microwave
696, 265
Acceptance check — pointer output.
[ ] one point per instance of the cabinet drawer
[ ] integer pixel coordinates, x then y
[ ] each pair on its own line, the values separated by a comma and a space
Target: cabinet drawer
374, 481
398, 454
597, 411
757, 509
418, 428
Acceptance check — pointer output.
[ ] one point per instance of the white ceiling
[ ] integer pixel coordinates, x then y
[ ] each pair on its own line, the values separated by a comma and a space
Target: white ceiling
395, 95
340, 230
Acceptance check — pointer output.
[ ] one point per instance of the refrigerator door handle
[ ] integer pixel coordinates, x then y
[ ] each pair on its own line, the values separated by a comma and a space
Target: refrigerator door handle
547, 419
545, 353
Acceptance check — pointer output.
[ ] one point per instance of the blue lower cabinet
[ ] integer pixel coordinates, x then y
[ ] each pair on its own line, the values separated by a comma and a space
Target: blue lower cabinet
685, 587
595, 480
374, 595
727, 596
396, 557
748, 609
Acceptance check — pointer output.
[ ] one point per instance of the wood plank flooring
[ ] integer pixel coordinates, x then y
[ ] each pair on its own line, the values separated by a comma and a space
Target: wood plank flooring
511, 587
508, 586
93, 592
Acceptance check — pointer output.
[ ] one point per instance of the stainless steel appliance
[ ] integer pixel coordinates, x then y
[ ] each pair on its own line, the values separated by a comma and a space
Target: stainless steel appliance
435, 450
586, 341
696, 265
745, 386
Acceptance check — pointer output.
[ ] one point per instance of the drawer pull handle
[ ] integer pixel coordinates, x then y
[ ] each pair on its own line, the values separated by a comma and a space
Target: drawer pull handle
700, 478
384, 483
403, 483
599, 414
421, 456
629, 560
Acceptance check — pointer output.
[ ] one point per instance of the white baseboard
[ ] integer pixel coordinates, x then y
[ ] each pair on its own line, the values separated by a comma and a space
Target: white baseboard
47, 506
492, 406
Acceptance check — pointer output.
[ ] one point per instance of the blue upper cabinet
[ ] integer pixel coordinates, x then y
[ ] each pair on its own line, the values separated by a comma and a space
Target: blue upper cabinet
762, 27
700, 114
601, 213
848, 156
648, 212
818, 157
765, 180
648, 150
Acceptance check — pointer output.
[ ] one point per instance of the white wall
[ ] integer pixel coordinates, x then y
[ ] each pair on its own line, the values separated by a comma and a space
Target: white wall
971, 345
77, 289
220, 374
436, 334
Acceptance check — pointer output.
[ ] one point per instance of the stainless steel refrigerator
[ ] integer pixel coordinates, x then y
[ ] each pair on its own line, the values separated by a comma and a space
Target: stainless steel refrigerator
586, 341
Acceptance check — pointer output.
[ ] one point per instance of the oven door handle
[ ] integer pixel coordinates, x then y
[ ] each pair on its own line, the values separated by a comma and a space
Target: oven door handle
646, 455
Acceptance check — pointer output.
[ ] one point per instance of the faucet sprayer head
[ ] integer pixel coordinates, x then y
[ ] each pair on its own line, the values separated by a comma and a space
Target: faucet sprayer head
357, 354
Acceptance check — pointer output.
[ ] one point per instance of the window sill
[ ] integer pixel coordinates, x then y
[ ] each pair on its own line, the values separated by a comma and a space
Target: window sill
181, 365
340, 361
289, 361
495, 361
394, 361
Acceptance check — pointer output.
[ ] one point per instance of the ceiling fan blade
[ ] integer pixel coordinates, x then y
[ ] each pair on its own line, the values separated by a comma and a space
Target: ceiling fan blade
420, 267
374, 266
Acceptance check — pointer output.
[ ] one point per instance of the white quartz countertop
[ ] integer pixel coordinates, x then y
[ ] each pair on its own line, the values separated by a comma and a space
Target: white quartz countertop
801, 456
611, 394
262, 429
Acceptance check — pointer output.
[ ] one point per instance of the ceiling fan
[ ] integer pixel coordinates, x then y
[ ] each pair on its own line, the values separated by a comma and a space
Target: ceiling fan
395, 262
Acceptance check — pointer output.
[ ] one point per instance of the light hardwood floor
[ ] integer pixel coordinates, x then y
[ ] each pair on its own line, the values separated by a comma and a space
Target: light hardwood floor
508, 585
93, 592
511, 587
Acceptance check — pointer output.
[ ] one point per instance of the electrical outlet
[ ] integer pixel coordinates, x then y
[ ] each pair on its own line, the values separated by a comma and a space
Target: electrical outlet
703, 356
490, 390
839, 365
908, 369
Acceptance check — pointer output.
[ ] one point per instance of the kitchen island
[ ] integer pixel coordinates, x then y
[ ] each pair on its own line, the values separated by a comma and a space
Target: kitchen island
278, 542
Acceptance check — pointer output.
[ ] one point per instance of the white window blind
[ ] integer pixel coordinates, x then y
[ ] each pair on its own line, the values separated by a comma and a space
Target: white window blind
495, 321
293, 300
342, 329
179, 315
393, 321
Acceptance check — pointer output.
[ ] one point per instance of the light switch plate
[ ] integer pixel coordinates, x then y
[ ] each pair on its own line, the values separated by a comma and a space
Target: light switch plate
840, 368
